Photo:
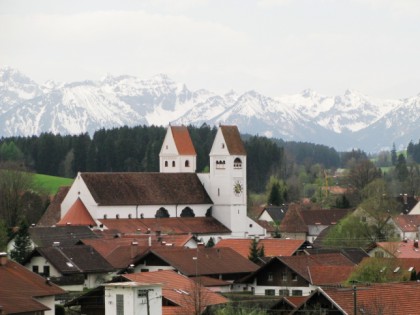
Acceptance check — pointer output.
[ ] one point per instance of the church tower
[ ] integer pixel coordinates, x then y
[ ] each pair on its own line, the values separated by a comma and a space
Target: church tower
177, 154
227, 180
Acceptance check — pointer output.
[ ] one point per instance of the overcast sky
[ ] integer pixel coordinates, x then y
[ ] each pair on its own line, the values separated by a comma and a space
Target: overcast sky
273, 46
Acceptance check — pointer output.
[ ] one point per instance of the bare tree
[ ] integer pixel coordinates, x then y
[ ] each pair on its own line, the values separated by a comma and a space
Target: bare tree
14, 181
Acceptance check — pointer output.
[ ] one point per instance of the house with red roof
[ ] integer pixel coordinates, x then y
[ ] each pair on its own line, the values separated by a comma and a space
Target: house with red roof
178, 295
25, 292
73, 268
402, 249
175, 192
218, 263
299, 275
307, 224
272, 246
406, 226
385, 298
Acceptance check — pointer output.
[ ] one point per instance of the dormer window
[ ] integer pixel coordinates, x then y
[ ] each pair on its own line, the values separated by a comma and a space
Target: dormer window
237, 163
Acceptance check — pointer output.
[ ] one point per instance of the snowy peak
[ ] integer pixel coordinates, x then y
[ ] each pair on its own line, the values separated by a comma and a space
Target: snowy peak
344, 121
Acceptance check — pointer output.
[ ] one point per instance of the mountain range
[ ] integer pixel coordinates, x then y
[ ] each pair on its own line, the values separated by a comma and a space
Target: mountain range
347, 121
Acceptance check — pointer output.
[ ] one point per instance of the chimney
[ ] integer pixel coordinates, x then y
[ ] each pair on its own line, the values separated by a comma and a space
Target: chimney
3, 258
133, 248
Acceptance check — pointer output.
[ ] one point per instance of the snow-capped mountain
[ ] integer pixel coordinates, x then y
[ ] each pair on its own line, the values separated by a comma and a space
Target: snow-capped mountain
344, 121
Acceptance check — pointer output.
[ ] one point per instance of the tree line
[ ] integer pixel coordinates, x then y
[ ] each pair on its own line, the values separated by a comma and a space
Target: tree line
136, 149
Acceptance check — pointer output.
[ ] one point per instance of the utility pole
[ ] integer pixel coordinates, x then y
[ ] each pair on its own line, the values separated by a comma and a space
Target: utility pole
355, 300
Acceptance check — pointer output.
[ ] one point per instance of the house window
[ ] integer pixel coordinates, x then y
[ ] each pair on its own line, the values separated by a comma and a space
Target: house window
270, 276
35, 269
120, 304
187, 163
296, 292
173, 163
270, 292
379, 254
166, 163
284, 276
294, 277
237, 163
46, 271
284, 292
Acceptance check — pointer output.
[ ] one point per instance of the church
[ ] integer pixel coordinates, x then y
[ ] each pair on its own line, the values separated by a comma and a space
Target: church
176, 191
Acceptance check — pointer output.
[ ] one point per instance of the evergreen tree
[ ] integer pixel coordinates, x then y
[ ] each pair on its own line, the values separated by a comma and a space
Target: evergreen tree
3, 236
210, 242
22, 246
401, 168
394, 154
275, 198
255, 252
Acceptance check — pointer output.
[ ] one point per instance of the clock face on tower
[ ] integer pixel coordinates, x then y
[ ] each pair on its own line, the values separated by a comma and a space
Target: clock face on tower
238, 188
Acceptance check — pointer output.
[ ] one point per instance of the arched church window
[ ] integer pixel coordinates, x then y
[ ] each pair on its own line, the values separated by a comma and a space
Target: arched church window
162, 213
237, 163
187, 163
166, 163
173, 163
187, 212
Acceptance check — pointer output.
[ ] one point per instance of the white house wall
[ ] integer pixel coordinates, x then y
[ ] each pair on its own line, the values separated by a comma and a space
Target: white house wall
41, 262
133, 303
265, 216
137, 211
260, 289
48, 301
138, 268
79, 190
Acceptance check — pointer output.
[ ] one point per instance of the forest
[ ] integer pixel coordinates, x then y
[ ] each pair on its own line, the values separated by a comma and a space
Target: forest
278, 171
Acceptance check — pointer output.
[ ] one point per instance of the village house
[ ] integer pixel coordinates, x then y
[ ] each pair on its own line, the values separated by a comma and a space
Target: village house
25, 292
177, 294
218, 263
272, 246
299, 275
402, 249
385, 298
308, 224
73, 268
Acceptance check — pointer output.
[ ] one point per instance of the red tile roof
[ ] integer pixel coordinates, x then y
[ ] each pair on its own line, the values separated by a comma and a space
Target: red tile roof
197, 225
146, 188
177, 289
77, 214
301, 264
329, 275
389, 298
408, 223
53, 213
233, 140
211, 261
401, 249
272, 247
182, 140
19, 287
293, 221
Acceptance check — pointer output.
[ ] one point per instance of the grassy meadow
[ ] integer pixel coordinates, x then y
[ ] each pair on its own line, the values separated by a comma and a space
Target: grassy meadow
50, 184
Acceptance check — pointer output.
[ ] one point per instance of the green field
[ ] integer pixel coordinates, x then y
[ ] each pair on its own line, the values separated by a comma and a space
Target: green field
50, 184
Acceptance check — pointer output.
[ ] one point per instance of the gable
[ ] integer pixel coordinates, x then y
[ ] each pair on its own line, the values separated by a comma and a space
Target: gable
78, 214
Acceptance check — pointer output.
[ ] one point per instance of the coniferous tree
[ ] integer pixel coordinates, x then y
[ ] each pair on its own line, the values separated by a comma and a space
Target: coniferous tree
210, 242
3, 236
22, 246
394, 154
255, 252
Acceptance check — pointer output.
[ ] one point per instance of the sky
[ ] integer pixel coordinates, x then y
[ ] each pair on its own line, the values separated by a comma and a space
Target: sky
275, 47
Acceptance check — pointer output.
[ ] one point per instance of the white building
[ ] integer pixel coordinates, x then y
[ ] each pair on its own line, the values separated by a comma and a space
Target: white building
176, 191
